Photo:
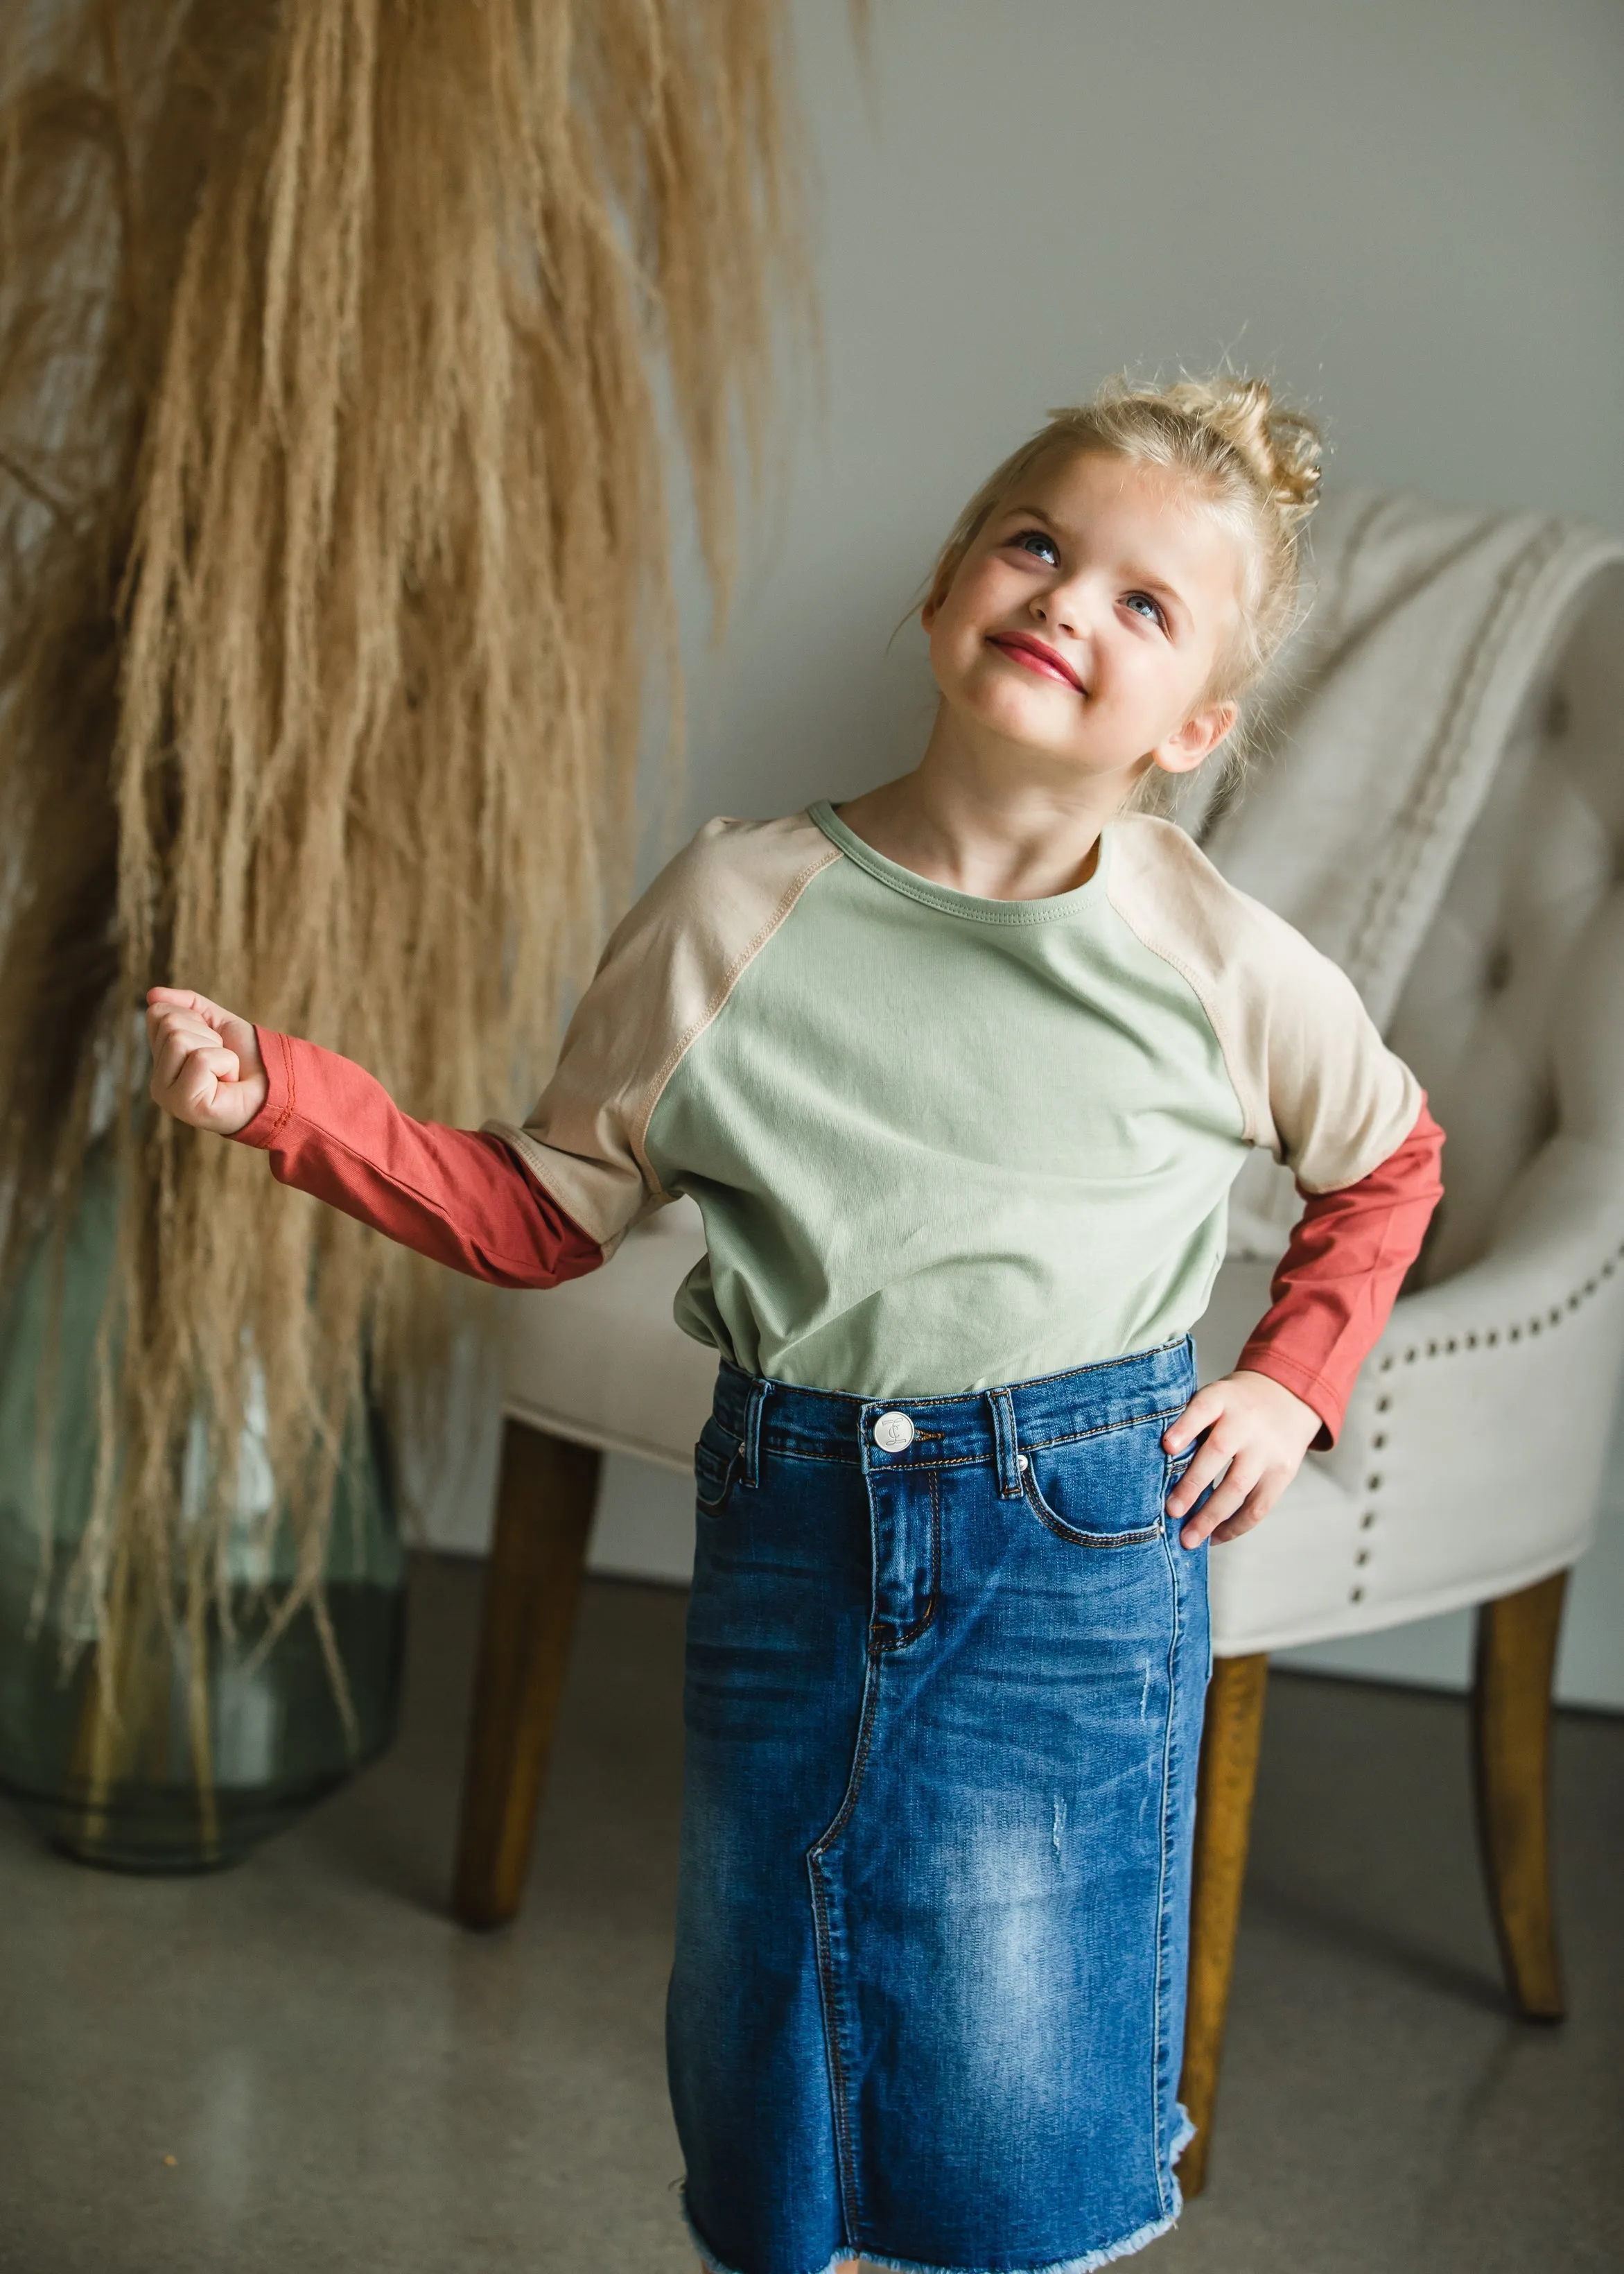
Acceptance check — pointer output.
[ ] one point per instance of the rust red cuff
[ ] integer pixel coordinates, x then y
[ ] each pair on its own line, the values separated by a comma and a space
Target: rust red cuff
456, 1195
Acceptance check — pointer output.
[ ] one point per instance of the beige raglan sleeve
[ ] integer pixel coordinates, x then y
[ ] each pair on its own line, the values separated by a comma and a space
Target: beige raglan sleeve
1321, 1089
1317, 1085
667, 970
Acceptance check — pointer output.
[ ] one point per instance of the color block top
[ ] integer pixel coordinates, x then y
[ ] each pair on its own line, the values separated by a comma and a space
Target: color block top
941, 1142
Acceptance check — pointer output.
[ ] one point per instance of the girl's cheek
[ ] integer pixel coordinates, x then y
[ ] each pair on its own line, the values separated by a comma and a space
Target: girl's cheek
991, 594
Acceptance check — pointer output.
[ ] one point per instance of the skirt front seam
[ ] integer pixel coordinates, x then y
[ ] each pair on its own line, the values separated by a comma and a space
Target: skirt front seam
1157, 2048
828, 1988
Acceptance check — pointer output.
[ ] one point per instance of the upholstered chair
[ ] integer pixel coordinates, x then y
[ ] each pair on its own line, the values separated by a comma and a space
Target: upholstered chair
1469, 1466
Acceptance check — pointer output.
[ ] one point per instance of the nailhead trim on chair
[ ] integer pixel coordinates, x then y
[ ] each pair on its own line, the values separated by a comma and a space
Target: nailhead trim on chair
1490, 1338
1552, 1317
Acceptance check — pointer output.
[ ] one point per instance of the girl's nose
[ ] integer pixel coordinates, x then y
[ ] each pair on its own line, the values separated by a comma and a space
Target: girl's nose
1062, 608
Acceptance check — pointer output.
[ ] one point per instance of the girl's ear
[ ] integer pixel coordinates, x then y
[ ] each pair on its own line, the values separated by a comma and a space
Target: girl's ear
1197, 738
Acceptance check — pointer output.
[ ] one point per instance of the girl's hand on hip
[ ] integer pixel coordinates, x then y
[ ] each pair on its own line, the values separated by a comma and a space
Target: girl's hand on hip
1258, 1433
207, 1067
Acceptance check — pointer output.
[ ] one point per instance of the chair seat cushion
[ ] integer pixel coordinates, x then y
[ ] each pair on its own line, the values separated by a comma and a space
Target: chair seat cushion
601, 1359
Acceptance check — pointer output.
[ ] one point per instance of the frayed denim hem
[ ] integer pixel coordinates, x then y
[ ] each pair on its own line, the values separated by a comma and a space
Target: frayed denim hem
1125, 2248
715, 2265
1139, 2240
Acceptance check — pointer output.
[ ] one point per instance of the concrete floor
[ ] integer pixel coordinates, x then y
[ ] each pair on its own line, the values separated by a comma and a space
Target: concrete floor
346, 2080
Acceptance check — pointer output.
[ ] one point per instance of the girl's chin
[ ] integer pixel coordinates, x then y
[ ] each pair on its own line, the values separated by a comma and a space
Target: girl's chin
1048, 727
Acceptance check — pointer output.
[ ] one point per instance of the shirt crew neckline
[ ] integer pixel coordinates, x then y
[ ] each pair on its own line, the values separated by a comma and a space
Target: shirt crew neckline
1052, 909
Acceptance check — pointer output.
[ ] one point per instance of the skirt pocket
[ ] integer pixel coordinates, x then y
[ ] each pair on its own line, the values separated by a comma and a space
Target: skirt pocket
1107, 1489
716, 1466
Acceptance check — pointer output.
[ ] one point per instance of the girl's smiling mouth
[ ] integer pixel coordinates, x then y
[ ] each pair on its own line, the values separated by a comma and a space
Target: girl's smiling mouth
1036, 655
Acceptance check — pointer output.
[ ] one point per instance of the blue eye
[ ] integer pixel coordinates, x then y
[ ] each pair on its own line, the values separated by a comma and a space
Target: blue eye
1157, 614
1029, 538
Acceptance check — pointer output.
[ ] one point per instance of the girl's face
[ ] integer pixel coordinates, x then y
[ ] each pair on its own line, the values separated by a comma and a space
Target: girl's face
1086, 616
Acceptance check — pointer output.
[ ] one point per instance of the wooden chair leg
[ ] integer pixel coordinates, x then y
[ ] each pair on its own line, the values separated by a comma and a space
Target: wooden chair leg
543, 1513
1511, 1758
1230, 1739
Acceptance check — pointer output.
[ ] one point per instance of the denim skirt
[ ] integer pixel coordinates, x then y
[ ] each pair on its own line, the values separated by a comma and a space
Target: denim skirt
946, 1665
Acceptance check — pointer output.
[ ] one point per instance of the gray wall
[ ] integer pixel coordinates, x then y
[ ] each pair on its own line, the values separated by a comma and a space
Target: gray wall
1409, 216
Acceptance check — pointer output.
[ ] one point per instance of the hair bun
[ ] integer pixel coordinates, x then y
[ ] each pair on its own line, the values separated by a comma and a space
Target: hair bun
1281, 449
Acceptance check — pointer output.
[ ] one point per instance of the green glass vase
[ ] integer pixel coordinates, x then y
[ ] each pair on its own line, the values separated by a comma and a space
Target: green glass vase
208, 1752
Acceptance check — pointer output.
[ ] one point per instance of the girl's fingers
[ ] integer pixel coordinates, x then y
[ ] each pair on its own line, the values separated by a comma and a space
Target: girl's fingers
1246, 1519
175, 1045
1203, 1408
1248, 1515
170, 1051
187, 1076
169, 1030
179, 1007
1227, 1500
1208, 1466
206, 1069
184, 998
163, 1026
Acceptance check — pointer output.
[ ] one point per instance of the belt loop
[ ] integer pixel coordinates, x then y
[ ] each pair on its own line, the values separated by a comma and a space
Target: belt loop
749, 1448
1005, 1448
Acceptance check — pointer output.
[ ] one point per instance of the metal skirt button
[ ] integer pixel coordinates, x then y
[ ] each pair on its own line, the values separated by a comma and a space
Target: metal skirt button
893, 1433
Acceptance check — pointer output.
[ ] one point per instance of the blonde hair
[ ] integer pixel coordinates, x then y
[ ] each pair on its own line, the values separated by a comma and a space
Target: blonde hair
1257, 463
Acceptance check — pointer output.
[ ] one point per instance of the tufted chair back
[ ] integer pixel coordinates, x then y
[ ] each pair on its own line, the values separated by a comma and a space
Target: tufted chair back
1512, 1014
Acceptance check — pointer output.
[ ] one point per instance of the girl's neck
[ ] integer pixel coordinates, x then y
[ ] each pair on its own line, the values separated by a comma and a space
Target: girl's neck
995, 824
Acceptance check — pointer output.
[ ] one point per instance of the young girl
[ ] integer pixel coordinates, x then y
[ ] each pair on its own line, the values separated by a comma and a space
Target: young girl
960, 1074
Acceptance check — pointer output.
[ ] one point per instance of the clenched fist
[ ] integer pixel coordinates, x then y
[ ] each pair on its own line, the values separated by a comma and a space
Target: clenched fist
207, 1067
